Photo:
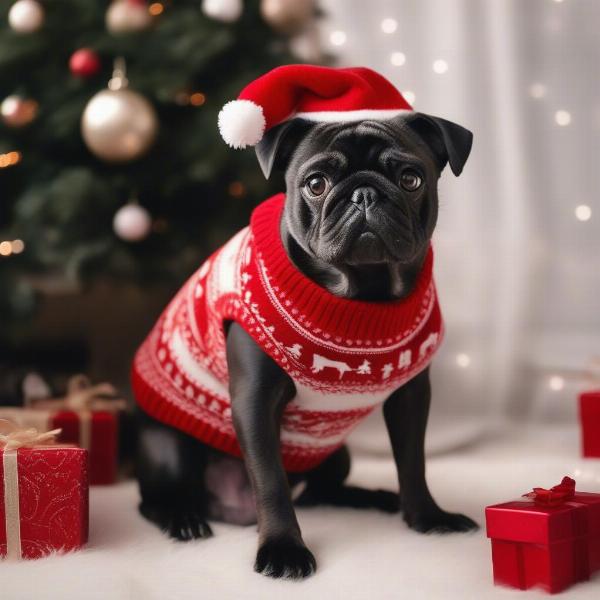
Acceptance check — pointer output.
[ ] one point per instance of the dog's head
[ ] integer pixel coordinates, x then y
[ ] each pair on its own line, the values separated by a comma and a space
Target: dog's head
364, 192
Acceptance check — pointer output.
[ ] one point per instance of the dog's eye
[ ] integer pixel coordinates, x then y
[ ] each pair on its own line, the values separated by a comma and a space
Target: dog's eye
410, 180
317, 185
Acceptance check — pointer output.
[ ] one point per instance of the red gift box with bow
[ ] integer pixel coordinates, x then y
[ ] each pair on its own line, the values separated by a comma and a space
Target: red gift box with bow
95, 431
549, 539
589, 417
43, 494
88, 416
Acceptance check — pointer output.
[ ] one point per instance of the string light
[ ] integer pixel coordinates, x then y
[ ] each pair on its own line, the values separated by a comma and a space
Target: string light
337, 38
398, 58
562, 117
463, 360
537, 90
440, 66
182, 98
583, 212
389, 25
197, 99
17, 246
155, 9
556, 383
9, 159
160, 225
409, 96
237, 189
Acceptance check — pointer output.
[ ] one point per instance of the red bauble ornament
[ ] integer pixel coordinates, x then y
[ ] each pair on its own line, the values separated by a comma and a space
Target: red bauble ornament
84, 63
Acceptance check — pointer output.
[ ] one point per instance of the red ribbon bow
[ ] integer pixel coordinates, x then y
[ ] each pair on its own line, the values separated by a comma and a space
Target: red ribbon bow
555, 496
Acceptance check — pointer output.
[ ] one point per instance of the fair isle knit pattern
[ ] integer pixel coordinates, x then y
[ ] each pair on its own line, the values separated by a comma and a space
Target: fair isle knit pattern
344, 356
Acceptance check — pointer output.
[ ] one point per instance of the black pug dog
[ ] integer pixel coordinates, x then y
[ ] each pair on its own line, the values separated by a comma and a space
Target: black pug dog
360, 210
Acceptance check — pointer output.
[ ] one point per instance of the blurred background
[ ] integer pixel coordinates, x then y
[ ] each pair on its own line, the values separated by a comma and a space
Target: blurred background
114, 183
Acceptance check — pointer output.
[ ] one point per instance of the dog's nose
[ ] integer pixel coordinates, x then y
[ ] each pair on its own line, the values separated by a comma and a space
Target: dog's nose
364, 196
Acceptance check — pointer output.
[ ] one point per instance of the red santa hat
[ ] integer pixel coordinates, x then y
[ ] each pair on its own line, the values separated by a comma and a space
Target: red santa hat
309, 92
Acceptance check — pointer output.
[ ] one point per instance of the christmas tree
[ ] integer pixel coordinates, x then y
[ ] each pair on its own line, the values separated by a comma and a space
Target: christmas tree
129, 181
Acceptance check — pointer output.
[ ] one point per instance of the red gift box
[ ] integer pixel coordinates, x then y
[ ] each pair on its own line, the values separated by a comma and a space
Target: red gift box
589, 416
43, 499
549, 540
94, 431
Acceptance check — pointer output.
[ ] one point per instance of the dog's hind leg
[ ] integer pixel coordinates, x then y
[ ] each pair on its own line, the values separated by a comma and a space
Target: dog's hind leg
170, 471
325, 485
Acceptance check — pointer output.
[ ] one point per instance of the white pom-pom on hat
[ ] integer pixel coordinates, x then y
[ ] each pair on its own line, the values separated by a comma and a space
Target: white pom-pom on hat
242, 123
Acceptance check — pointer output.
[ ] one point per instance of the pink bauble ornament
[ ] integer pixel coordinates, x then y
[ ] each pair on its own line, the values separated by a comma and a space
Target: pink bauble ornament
125, 16
26, 16
132, 222
17, 111
227, 11
84, 63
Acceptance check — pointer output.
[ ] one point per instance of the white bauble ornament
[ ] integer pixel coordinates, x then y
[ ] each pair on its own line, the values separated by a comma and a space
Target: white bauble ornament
125, 16
287, 16
227, 11
26, 16
132, 222
119, 125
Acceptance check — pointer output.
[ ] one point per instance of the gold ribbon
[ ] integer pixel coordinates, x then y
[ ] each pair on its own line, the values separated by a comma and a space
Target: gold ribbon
26, 418
83, 398
82, 395
11, 439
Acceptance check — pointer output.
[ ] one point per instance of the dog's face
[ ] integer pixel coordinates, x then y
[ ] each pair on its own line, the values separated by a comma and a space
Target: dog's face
364, 193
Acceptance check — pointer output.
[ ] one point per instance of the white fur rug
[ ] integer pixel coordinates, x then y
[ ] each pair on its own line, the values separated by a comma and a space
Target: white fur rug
359, 554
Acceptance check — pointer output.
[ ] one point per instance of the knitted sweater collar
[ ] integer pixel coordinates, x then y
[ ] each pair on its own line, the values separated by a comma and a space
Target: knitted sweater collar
379, 322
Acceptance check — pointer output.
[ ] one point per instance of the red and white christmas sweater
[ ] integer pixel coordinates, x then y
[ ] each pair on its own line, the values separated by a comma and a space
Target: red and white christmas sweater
344, 356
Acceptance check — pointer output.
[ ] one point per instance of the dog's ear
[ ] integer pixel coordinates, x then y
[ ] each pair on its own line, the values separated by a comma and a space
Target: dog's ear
450, 142
275, 149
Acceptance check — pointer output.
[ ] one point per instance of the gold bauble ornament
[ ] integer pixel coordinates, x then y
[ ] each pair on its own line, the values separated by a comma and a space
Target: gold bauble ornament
287, 16
118, 124
125, 16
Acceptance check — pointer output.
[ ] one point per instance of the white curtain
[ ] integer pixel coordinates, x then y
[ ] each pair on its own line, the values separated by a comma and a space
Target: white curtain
518, 242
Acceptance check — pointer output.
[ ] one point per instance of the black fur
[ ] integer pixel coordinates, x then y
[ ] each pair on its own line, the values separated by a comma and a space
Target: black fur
365, 238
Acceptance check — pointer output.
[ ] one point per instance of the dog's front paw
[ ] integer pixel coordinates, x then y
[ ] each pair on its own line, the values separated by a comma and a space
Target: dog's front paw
439, 521
285, 557
182, 524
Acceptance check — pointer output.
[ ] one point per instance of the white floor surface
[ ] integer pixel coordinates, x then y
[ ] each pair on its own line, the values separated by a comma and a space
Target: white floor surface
359, 554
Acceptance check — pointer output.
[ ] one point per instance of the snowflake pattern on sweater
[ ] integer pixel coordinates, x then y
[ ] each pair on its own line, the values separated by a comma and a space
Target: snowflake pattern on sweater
344, 356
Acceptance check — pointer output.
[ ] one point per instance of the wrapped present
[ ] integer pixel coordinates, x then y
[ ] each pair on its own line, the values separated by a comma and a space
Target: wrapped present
589, 416
87, 417
43, 493
548, 539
